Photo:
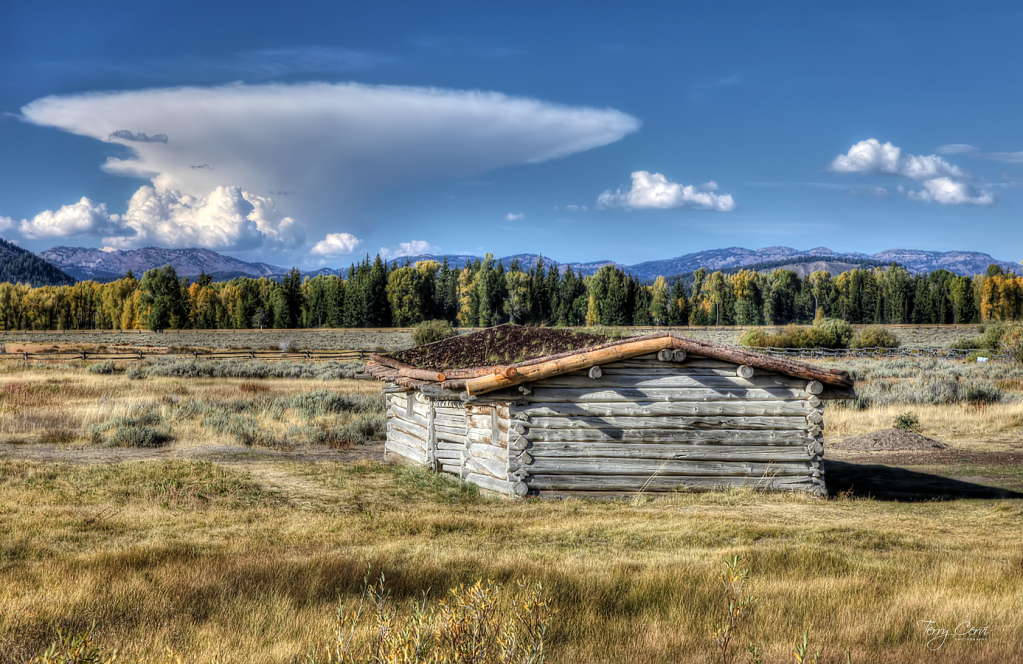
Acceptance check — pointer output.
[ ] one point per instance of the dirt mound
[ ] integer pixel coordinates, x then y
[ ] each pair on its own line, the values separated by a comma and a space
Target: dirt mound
888, 440
501, 345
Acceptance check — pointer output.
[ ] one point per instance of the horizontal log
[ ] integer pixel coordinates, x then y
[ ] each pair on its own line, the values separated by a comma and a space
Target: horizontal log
492, 467
454, 469
728, 382
484, 422
680, 370
447, 445
451, 438
662, 467
397, 447
661, 394
397, 424
503, 487
488, 452
575, 361
674, 422
416, 418
478, 436
459, 430
713, 436
654, 408
448, 454
761, 361
422, 374
634, 483
408, 441
692, 451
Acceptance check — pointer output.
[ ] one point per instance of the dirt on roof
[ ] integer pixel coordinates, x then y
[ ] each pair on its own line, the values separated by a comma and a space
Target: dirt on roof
888, 440
501, 345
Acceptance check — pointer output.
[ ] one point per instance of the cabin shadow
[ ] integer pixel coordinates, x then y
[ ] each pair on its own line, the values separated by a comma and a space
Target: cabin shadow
880, 482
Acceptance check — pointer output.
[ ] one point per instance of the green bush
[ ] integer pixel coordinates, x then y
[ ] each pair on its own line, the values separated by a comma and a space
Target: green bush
139, 436
1012, 342
826, 333
990, 337
907, 422
875, 336
106, 367
430, 331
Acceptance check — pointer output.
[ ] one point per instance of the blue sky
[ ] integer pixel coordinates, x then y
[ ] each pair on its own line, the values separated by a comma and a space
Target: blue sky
310, 133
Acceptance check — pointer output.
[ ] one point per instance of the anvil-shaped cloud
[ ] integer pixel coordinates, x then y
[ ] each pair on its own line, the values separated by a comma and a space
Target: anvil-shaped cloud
334, 145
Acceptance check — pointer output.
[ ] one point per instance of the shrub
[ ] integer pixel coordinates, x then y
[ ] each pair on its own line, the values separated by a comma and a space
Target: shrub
106, 367
139, 436
1012, 342
826, 333
57, 437
430, 331
875, 336
990, 337
907, 422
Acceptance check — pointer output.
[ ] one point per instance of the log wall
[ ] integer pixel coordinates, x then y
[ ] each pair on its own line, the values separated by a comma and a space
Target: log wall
648, 424
468, 441
638, 425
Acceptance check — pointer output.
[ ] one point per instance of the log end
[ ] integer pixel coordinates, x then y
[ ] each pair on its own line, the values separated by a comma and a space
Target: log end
520, 489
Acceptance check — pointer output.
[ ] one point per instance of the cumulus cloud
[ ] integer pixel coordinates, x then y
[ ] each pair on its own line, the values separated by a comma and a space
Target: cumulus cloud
227, 219
653, 190
950, 192
413, 248
140, 137
337, 145
514, 216
336, 244
942, 182
75, 220
872, 156
576, 208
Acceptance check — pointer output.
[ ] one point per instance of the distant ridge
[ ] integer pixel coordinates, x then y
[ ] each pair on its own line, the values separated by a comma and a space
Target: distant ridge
99, 265
91, 263
19, 265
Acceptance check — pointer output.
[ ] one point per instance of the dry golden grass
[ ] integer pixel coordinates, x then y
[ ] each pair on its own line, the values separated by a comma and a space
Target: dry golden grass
974, 424
201, 559
245, 558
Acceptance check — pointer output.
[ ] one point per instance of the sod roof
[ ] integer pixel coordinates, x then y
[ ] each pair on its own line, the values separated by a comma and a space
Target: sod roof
501, 345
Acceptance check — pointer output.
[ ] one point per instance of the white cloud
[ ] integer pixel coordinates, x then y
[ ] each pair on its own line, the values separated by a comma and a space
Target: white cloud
514, 216
78, 219
226, 219
335, 145
942, 182
950, 192
575, 208
955, 148
653, 190
413, 248
872, 156
336, 244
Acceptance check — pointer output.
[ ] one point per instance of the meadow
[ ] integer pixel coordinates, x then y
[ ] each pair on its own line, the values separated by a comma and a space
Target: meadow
221, 514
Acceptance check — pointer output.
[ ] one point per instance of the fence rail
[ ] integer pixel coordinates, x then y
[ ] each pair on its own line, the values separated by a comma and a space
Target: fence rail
879, 353
128, 355
803, 353
408, 330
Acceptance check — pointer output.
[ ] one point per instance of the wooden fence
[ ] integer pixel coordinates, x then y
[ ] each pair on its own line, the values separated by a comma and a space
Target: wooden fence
408, 330
127, 355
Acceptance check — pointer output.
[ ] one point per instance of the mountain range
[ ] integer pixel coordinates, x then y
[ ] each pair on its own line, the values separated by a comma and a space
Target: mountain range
106, 265
84, 263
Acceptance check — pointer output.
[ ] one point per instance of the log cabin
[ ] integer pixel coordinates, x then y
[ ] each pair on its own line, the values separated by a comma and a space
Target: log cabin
646, 414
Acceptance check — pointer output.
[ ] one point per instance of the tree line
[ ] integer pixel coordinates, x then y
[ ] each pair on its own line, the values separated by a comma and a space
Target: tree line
485, 292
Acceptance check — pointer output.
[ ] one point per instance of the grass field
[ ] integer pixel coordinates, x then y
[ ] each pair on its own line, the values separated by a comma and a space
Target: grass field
234, 539
347, 339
